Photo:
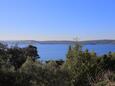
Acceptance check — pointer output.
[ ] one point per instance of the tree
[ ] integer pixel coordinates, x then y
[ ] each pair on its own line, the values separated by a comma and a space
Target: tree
32, 52
113, 54
70, 56
73, 54
17, 57
93, 54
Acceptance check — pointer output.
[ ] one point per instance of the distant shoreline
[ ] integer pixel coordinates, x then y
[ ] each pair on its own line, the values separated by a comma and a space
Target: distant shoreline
92, 42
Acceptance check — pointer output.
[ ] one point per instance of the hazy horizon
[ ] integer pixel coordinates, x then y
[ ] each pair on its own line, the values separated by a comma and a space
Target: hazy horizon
57, 19
60, 40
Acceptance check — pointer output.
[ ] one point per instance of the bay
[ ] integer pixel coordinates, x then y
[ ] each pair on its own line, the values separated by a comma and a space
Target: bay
59, 51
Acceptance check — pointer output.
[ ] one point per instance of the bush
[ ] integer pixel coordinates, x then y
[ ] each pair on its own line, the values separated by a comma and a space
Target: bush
20, 67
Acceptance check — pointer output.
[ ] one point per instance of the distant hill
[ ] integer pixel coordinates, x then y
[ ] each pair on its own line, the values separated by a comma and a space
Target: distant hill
56, 42
93, 42
98, 42
81, 42
19, 42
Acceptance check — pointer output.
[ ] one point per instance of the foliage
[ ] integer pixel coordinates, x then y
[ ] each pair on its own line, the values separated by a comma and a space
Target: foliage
21, 67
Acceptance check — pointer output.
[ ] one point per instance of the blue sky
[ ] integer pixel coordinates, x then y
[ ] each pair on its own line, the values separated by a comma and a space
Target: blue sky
57, 19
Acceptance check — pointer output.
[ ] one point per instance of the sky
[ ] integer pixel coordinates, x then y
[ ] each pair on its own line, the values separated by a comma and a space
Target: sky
57, 19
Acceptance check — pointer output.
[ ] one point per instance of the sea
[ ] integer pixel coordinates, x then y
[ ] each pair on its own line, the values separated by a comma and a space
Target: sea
59, 51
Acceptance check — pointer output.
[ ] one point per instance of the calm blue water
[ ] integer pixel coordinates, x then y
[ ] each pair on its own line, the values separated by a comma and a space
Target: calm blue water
52, 51
58, 51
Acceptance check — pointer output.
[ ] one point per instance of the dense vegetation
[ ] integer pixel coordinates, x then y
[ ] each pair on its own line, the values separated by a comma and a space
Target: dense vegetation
21, 67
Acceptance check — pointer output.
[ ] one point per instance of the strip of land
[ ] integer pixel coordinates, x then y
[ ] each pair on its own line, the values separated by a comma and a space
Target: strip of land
90, 42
